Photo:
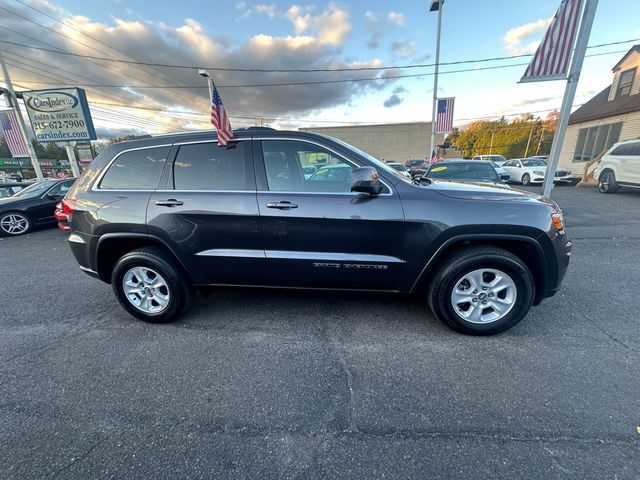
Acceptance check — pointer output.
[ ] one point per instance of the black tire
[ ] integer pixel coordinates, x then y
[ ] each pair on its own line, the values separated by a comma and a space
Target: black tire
461, 263
5, 216
180, 291
607, 182
526, 179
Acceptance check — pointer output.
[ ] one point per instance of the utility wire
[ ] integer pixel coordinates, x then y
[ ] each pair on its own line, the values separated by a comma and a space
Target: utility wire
323, 82
61, 22
282, 70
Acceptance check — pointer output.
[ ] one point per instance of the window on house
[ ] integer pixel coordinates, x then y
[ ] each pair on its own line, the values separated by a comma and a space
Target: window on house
625, 82
594, 140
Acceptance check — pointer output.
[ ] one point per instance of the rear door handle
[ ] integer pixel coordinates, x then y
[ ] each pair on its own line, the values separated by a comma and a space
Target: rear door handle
282, 205
171, 202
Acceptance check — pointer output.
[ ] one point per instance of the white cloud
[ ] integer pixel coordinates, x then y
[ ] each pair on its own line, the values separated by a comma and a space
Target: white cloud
268, 10
315, 41
331, 26
403, 49
514, 39
378, 28
396, 18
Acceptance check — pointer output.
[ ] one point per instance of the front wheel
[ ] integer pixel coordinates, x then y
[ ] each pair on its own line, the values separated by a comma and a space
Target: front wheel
150, 286
482, 291
607, 182
526, 179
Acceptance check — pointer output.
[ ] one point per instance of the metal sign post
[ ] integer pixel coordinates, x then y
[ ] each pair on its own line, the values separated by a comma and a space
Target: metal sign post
569, 94
23, 128
71, 155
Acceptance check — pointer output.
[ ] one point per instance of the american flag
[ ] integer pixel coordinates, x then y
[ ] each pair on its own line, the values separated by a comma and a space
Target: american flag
13, 135
219, 117
434, 156
551, 60
444, 118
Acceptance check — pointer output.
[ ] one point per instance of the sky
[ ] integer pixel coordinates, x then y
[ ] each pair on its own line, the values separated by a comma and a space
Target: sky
290, 35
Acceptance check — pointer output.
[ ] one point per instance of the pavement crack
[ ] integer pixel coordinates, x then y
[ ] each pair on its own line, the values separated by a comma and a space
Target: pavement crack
609, 335
75, 461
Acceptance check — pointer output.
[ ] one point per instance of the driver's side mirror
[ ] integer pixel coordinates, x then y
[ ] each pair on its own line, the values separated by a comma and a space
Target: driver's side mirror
504, 177
366, 180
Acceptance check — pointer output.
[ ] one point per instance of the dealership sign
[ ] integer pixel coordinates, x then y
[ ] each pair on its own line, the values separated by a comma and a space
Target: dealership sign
59, 115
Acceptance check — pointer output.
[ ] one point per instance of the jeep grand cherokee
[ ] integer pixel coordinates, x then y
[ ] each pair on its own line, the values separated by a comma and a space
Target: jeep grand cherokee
157, 217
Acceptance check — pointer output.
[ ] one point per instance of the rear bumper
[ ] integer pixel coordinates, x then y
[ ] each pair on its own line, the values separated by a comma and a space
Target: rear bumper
83, 248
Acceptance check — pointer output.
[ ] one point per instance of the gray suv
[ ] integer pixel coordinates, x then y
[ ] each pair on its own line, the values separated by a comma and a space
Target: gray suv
158, 217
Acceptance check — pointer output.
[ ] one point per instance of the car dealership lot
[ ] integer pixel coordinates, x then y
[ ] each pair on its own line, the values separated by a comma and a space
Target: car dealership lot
273, 383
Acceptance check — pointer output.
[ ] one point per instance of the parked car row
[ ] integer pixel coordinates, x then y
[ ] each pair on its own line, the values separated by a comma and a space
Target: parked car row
32, 206
619, 167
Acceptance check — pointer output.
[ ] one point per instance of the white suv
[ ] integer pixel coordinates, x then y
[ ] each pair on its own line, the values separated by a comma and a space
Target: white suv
619, 167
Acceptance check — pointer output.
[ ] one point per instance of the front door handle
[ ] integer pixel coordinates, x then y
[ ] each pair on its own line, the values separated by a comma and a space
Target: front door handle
282, 205
171, 202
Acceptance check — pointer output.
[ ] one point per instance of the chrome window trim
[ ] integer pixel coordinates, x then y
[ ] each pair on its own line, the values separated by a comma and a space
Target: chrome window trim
95, 188
271, 137
192, 142
165, 190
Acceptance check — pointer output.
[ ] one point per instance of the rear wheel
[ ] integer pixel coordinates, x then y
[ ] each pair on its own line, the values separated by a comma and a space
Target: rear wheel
150, 286
526, 179
14, 223
607, 182
482, 291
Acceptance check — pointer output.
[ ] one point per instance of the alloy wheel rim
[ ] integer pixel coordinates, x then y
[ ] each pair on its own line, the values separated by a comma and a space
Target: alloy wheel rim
604, 183
14, 224
146, 289
483, 296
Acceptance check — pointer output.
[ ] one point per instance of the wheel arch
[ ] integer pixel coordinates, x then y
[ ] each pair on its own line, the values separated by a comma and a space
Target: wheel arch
526, 248
112, 246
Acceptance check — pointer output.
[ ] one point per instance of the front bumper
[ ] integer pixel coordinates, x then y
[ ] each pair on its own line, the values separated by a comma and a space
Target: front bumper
566, 179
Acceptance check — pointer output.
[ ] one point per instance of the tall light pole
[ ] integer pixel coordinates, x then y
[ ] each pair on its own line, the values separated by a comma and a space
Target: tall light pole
436, 5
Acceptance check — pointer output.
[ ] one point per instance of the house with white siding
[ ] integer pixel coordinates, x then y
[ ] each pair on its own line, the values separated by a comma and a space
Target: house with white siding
611, 116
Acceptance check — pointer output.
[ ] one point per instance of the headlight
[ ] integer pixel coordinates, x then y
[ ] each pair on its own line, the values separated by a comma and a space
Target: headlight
538, 172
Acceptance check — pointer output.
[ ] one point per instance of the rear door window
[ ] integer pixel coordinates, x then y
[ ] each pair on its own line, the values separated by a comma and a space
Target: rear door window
136, 170
205, 166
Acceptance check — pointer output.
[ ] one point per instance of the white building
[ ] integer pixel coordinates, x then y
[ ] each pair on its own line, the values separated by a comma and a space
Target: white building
612, 115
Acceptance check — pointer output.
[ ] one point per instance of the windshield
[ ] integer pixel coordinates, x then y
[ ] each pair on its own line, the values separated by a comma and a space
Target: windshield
377, 163
471, 172
398, 166
533, 162
496, 158
35, 190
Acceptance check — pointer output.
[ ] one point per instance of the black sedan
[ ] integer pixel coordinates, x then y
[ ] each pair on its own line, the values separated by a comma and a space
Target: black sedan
8, 189
32, 206
459, 170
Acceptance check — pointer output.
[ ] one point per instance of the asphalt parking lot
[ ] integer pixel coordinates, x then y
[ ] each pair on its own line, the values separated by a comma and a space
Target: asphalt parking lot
265, 384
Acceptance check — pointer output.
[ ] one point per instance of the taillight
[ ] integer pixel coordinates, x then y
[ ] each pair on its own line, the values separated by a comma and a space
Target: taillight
68, 205
64, 212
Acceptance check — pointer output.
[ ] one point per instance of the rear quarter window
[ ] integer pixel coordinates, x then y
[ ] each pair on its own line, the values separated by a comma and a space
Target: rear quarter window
136, 170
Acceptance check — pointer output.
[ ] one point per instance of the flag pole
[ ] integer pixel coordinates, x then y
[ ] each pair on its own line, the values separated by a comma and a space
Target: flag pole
569, 93
435, 79
23, 128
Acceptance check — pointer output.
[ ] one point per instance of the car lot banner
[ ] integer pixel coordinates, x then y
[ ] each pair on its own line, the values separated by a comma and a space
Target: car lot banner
59, 115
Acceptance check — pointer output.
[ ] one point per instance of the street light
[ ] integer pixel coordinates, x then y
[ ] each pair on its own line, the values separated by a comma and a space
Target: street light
436, 5
205, 74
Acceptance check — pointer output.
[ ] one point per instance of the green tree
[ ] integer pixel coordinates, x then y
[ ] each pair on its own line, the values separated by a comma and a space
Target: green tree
53, 150
4, 149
